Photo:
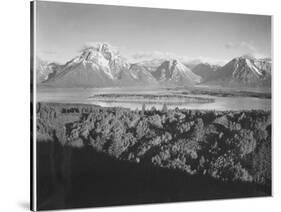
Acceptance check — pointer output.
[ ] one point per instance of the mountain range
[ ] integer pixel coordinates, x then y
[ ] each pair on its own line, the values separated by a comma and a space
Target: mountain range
240, 71
100, 65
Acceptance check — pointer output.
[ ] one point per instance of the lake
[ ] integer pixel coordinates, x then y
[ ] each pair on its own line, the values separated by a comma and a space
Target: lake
118, 97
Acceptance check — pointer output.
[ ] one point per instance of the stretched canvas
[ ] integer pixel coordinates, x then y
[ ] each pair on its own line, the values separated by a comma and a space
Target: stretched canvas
136, 105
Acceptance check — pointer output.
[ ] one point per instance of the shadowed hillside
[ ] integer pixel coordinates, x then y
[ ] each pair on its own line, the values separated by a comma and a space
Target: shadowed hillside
94, 156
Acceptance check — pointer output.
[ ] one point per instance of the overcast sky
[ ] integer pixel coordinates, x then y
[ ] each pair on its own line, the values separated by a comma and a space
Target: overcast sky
64, 28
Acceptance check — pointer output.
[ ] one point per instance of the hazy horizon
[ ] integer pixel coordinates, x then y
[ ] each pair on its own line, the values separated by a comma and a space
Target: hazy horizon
64, 28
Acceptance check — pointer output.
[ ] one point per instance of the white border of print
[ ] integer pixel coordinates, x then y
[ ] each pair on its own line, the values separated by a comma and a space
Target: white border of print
15, 129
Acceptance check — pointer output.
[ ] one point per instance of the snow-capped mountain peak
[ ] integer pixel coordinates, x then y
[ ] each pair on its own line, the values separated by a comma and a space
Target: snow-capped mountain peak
102, 57
105, 49
247, 68
101, 65
174, 71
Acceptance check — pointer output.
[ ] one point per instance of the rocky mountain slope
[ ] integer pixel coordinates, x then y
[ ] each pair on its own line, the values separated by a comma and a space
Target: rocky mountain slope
205, 70
245, 70
97, 66
102, 66
45, 70
174, 72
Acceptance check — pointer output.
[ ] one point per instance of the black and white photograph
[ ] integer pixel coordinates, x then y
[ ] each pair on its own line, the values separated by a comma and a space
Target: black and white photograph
138, 105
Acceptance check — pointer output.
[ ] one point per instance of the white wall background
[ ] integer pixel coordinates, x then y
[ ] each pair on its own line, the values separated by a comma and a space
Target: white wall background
14, 112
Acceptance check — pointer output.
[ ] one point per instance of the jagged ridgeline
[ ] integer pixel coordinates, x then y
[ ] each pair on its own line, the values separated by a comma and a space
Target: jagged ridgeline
244, 70
231, 148
101, 65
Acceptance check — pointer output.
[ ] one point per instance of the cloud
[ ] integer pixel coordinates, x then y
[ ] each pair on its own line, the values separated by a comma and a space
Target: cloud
243, 46
48, 52
212, 61
248, 46
150, 55
97, 44
142, 56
